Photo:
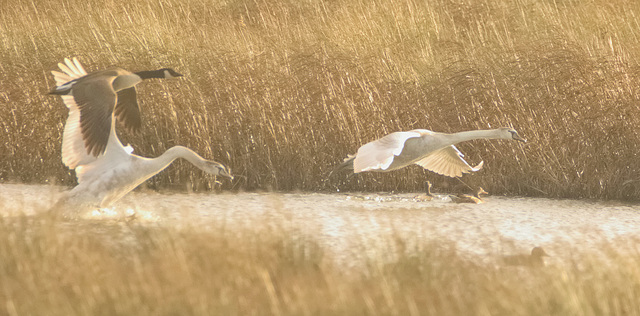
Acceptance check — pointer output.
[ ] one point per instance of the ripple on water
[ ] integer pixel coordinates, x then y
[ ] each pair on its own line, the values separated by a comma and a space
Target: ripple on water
357, 226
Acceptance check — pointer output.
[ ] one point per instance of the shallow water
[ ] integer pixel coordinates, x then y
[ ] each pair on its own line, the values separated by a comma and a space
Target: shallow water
354, 227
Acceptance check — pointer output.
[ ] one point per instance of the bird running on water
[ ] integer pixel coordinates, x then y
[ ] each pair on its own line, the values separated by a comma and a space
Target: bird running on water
431, 150
104, 176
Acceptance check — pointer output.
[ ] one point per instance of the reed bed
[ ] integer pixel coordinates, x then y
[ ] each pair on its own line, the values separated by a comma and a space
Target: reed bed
55, 267
281, 91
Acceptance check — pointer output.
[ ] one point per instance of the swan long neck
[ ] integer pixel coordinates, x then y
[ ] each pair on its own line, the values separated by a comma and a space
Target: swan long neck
176, 152
471, 135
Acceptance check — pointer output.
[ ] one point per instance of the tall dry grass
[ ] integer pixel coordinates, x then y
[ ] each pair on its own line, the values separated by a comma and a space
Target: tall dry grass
282, 90
50, 267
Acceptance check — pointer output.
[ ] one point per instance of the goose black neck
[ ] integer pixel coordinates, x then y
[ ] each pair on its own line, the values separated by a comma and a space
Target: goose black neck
148, 74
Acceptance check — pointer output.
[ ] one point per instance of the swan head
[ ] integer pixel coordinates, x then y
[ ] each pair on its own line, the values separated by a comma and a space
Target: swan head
218, 169
510, 133
170, 73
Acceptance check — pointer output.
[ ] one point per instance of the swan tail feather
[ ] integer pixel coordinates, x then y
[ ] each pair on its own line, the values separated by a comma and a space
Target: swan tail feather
347, 164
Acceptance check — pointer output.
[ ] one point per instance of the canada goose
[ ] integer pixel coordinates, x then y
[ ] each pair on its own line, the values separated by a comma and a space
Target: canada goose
431, 150
534, 260
100, 95
109, 176
427, 196
468, 198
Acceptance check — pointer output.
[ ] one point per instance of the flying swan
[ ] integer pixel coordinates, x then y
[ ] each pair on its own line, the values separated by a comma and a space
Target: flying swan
105, 175
431, 150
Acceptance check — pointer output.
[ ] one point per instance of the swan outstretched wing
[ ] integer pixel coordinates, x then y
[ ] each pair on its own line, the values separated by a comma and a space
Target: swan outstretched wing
379, 154
448, 161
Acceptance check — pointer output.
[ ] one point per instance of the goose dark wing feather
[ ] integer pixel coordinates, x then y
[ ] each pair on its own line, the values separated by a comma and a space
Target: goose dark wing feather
96, 101
127, 110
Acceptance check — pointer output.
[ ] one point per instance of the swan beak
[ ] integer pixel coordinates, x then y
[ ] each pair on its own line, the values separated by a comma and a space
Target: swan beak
518, 138
224, 172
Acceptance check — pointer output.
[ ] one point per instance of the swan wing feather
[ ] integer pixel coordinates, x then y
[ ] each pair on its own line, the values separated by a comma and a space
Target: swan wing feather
448, 161
379, 154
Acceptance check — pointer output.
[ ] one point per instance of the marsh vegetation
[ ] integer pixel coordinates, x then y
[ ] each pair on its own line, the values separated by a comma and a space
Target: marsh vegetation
282, 91
124, 267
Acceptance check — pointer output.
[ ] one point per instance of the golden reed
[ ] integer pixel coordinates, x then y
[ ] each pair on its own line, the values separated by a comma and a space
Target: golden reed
282, 91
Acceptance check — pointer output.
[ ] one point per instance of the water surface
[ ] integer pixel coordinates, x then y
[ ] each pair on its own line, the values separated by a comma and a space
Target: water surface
354, 227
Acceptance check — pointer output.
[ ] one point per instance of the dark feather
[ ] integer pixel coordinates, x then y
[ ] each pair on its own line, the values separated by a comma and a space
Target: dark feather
127, 110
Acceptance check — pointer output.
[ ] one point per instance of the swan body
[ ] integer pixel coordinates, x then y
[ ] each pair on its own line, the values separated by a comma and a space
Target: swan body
431, 150
105, 178
536, 259
467, 198
100, 94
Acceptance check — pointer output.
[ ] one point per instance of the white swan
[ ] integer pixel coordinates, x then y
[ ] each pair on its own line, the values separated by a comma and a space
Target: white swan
431, 150
101, 93
106, 178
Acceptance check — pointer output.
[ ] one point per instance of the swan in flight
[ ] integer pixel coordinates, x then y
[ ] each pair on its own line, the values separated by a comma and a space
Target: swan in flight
106, 177
431, 150
101, 93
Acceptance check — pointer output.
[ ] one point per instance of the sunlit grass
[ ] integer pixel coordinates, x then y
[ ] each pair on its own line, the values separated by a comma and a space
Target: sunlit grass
84, 267
282, 91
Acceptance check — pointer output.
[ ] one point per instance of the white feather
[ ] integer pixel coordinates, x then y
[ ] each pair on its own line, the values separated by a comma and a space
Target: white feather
431, 150
379, 154
112, 174
448, 161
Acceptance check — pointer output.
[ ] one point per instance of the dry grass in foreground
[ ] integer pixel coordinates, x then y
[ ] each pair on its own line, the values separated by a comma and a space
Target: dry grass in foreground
50, 267
282, 90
